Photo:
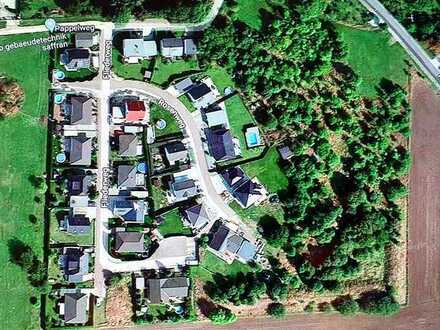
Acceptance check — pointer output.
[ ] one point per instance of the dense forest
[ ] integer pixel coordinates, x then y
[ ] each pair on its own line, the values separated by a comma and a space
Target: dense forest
123, 10
343, 205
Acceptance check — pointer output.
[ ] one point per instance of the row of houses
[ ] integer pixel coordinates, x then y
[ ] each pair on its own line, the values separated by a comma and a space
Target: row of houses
138, 49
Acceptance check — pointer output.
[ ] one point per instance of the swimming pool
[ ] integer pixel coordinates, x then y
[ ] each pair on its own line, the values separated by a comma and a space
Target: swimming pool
253, 139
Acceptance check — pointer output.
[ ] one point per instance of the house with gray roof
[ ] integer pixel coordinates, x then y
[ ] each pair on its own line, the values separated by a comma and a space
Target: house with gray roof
215, 116
83, 40
230, 245
81, 110
75, 59
246, 191
167, 290
184, 86
127, 176
201, 95
79, 150
74, 262
196, 217
127, 209
183, 188
76, 224
79, 184
285, 152
172, 47
136, 50
128, 145
190, 48
129, 242
76, 307
175, 152
220, 144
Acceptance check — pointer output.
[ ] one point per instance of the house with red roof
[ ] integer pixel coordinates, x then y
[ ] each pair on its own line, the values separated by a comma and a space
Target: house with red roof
135, 111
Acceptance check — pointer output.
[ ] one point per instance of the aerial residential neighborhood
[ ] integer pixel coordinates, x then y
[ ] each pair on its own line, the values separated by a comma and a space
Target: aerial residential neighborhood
195, 164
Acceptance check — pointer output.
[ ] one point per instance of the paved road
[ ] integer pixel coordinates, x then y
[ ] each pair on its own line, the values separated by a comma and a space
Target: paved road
13, 28
413, 48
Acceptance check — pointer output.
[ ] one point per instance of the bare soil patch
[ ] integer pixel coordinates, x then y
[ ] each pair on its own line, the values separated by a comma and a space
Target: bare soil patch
119, 307
11, 98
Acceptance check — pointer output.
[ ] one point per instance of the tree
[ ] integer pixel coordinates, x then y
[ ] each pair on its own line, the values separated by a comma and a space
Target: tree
276, 310
348, 307
383, 304
222, 316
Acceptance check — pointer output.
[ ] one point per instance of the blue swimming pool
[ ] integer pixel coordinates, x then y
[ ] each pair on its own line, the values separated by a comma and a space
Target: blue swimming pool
253, 139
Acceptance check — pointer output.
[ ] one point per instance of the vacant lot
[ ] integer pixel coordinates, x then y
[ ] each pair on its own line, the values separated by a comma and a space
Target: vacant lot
22, 154
165, 71
173, 225
372, 57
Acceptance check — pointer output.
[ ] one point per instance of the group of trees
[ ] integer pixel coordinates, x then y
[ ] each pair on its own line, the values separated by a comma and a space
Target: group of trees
123, 10
342, 197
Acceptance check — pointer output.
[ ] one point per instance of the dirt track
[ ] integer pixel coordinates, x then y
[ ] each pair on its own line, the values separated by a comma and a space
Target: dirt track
423, 246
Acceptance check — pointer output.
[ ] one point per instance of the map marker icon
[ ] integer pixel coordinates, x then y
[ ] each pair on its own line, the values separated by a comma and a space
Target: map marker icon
50, 24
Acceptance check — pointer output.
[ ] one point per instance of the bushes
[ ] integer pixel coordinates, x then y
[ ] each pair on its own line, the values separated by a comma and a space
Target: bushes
276, 310
382, 304
348, 307
222, 316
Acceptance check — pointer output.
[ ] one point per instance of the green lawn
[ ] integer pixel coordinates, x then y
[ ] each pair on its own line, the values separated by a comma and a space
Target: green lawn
187, 103
22, 154
164, 70
57, 236
268, 172
248, 11
255, 213
372, 57
173, 224
211, 264
159, 197
128, 71
221, 78
156, 113
239, 119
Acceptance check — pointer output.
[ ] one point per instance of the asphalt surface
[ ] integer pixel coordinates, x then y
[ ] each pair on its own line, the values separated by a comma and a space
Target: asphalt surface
413, 48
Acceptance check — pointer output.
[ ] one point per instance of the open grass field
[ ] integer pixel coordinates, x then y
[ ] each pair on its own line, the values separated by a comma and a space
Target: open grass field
372, 57
268, 171
173, 225
164, 71
157, 113
22, 154
211, 264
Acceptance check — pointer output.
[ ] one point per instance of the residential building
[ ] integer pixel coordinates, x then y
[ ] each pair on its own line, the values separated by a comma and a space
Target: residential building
136, 50
190, 48
230, 245
285, 152
183, 86
215, 116
128, 177
84, 40
75, 307
196, 217
135, 111
129, 210
76, 224
246, 191
75, 264
79, 184
167, 290
129, 145
80, 109
220, 144
183, 188
175, 152
201, 95
129, 242
79, 150
75, 59
172, 47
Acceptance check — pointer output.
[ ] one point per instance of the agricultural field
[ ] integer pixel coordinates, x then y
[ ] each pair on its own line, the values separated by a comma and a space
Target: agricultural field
372, 56
22, 155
